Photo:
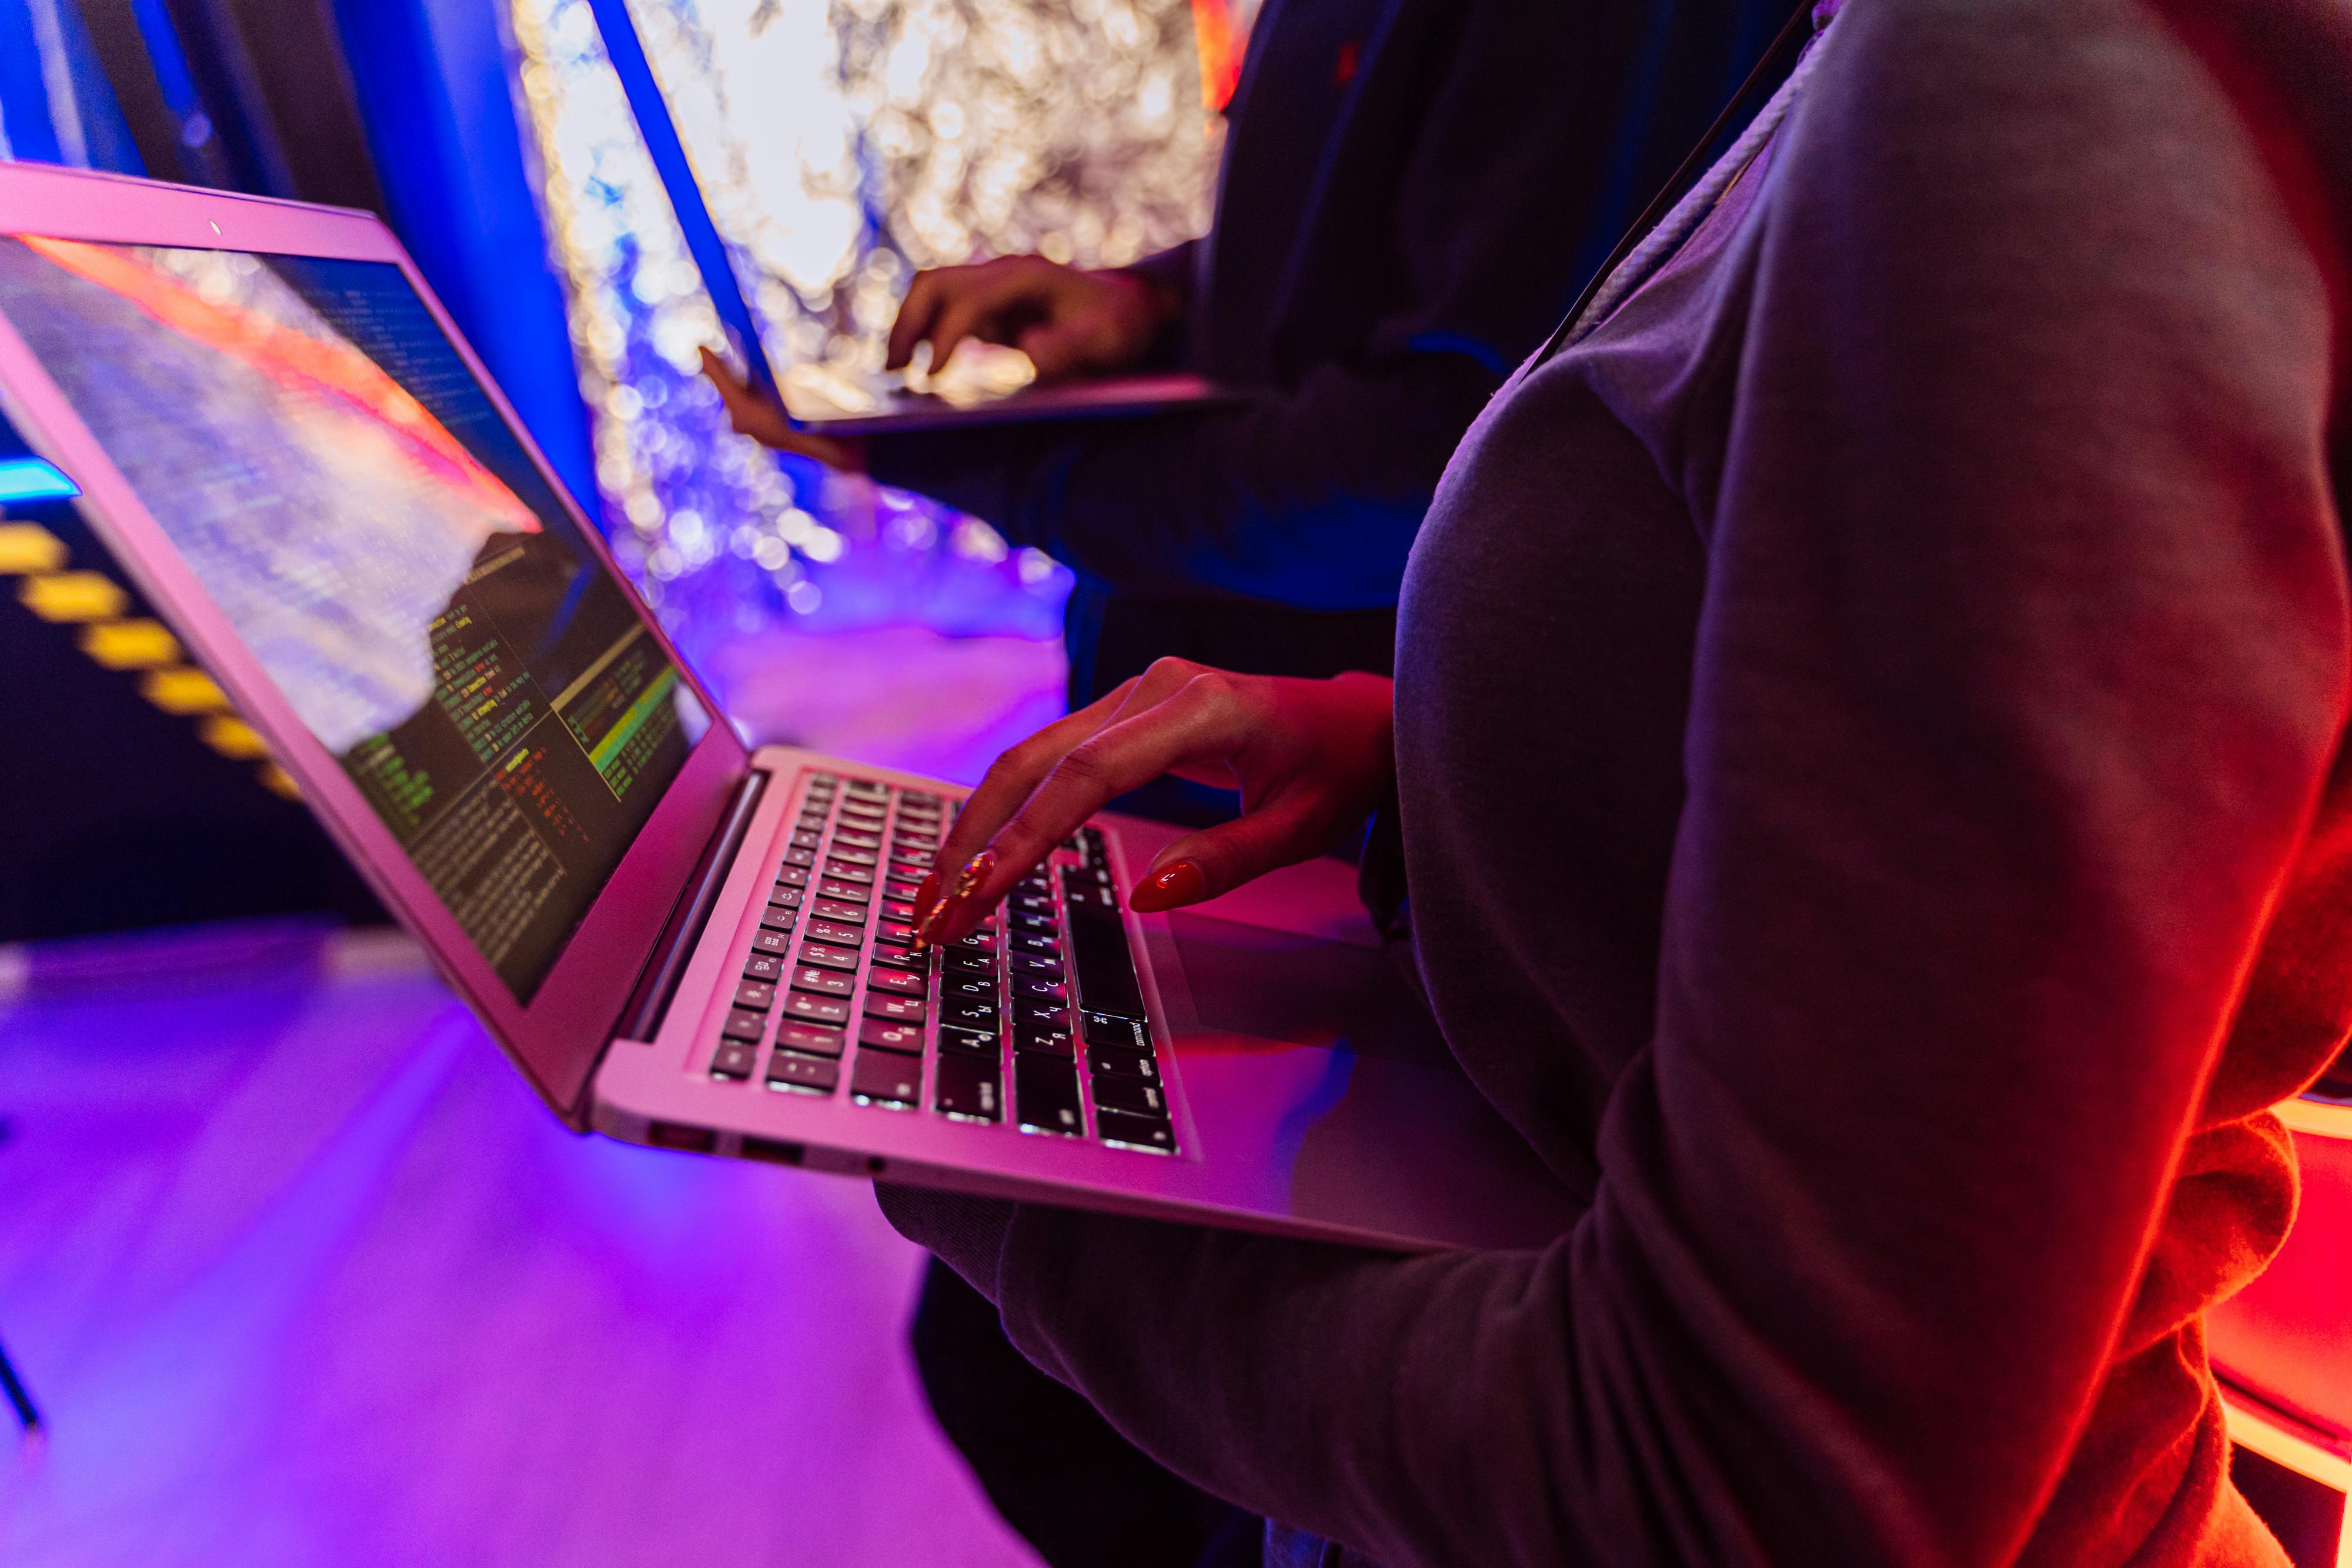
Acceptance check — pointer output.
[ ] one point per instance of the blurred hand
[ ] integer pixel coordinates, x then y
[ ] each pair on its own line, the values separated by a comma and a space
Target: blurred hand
1070, 323
760, 418
1306, 755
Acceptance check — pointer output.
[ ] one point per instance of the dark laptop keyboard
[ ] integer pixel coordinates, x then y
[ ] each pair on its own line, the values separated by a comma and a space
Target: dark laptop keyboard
1033, 1021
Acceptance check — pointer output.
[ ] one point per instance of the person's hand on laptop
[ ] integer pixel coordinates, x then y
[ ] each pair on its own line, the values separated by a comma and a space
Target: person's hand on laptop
763, 421
1306, 755
1070, 322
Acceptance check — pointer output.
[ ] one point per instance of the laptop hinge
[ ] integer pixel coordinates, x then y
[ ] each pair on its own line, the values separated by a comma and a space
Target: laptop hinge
642, 1018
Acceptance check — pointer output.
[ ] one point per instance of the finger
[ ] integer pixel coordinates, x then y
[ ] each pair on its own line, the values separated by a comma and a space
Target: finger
750, 414
970, 314
1218, 860
1202, 718
916, 313
1014, 775
1007, 783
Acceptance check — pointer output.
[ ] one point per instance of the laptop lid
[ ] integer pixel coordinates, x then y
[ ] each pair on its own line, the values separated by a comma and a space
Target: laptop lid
281, 435
703, 242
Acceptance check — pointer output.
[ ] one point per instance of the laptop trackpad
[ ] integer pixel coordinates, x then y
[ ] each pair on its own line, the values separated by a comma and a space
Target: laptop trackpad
1303, 990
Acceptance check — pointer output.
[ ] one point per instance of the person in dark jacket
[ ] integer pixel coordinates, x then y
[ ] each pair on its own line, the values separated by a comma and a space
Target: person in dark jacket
1873, 745
1412, 192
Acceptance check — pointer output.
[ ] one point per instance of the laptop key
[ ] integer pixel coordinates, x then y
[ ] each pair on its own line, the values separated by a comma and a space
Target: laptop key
834, 909
886, 1077
1107, 982
844, 854
1102, 1060
806, 839
734, 1060
1042, 1041
898, 982
777, 942
1041, 1015
974, 1012
844, 891
810, 1040
816, 1009
903, 959
757, 995
850, 838
793, 876
824, 982
838, 932
1035, 946
1030, 989
1045, 1097
898, 909
1101, 1028
822, 957
803, 1074
842, 871
897, 933
744, 1025
763, 966
967, 1041
1135, 1132
902, 890
1114, 1092
960, 961
799, 856
957, 985
969, 1089
1028, 966
880, 1034
896, 1009
787, 897
775, 917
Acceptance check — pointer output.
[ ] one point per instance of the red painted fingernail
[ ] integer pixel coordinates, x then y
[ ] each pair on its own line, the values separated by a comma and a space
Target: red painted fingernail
938, 925
975, 871
927, 893
1180, 883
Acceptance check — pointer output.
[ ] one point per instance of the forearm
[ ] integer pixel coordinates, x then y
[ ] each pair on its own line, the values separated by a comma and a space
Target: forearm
1310, 499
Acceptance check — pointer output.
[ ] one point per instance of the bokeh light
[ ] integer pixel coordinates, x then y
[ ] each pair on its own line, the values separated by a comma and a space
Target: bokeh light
843, 145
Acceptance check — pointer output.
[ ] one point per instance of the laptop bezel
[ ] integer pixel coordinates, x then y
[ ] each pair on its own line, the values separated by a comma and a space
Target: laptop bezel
558, 1038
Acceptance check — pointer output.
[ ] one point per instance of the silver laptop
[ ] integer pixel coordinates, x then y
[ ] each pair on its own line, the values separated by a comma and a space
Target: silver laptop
679, 941
838, 400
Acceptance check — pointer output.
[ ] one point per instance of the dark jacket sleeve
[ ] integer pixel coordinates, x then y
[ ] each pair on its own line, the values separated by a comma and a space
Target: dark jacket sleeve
1311, 498
2023, 664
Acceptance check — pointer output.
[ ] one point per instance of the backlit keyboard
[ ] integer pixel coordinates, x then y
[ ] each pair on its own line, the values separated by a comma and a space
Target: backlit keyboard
832, 981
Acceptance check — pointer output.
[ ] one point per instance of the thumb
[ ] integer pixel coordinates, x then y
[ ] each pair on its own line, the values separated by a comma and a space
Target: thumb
1218, 860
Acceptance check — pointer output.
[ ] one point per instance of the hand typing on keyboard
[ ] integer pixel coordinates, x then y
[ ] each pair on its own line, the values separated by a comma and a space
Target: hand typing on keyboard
1305, 755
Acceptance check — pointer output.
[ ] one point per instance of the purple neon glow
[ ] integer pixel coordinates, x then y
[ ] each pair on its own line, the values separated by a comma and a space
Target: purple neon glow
303, 1273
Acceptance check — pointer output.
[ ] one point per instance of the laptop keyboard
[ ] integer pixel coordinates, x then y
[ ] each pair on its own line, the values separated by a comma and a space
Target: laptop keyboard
1035, 1022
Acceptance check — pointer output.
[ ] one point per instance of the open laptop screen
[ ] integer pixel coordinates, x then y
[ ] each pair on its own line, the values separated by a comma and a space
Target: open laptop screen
357, 508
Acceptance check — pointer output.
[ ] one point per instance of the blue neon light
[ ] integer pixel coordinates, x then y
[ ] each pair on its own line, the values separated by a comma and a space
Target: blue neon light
30, 479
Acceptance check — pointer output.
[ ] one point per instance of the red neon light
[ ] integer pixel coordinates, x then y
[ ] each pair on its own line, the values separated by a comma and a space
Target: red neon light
300, 363
1220, 51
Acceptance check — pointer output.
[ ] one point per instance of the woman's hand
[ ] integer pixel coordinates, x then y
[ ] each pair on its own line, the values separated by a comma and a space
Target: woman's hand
760, 419
1069, 322
1307, 755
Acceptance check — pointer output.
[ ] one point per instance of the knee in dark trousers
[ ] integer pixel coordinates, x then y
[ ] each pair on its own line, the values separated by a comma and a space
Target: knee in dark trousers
1078, 1491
